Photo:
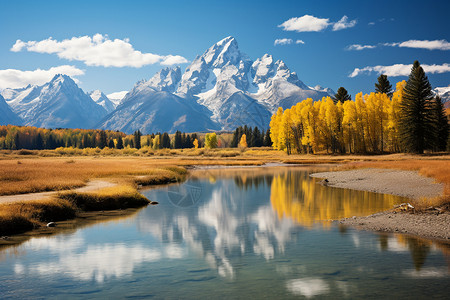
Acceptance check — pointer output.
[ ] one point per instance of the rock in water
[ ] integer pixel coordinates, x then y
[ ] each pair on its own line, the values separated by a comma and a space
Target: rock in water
51, 224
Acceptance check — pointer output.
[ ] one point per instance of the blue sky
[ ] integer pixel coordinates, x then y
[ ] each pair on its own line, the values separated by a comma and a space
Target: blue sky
398, 32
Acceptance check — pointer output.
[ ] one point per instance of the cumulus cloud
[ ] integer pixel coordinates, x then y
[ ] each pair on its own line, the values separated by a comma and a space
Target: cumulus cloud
299, 42
305, 24
12, 78
309, 23
343, 23
399, 70
97, 50
359, 47
283, 42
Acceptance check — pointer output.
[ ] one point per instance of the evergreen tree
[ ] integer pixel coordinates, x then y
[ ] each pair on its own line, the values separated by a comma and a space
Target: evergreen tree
417, 126
165, 142
383, 86
178, 143
39, 142
137, 139
119, 143
111, 144
104, 139
17, 142
267, 140
342, 95
443, 126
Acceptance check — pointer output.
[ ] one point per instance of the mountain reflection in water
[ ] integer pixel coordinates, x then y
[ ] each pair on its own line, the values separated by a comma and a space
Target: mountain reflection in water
245, 233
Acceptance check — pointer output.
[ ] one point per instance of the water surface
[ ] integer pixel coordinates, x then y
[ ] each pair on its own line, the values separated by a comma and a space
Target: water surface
245, 233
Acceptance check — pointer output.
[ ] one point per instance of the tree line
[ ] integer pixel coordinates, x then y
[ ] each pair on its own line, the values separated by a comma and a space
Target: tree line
254, 137
409, 119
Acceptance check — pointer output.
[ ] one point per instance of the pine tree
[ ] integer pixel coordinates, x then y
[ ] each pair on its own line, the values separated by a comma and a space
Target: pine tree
165, 140
111, 144
39, 143
342, 95
119, 143
443, 126
417, 126
137, 139
177, 144
267, 140
383, 86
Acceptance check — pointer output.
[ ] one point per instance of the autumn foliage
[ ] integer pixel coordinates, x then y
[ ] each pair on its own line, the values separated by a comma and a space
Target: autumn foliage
367, 125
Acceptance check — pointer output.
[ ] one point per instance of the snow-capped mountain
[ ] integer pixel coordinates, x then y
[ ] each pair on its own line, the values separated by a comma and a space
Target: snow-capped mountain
7, 116
223, 71
220, 90
102, 100
166, 80
117, 97
444, 93
58, 103
149, 110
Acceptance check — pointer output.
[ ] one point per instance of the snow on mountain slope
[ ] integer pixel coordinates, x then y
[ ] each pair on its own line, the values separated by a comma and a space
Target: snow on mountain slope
221, 89
7, 116
149, 110
117, 97
58, 103
444, 93
166, 79
102, 100
223, 70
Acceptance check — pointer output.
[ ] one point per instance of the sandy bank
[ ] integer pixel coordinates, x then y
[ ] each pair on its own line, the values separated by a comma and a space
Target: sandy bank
91, 186
396, 182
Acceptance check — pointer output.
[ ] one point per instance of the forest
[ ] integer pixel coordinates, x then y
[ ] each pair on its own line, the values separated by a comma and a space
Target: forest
410, 119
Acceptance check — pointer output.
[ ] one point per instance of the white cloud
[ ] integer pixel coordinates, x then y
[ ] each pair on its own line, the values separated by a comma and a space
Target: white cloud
299, 42
371, 23
173, 60
418, 44
359, 47
399, 70
12, 78
97, 50
305, 23
282, 42
343, 23
425, 44
309, 23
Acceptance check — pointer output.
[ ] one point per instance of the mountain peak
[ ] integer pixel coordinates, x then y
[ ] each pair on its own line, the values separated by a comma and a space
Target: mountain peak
166, 79
62, 79
223, 52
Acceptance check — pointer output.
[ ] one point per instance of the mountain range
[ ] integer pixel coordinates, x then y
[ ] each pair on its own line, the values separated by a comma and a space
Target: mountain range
220, 90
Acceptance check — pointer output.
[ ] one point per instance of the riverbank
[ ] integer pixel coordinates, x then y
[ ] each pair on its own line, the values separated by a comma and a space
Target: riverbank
419, 219
26, 212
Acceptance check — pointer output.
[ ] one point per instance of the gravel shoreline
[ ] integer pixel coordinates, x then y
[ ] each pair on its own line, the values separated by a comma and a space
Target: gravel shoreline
409, 184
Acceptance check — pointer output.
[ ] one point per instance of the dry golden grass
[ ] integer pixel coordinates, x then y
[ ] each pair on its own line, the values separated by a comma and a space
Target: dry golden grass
117, 197
23, 216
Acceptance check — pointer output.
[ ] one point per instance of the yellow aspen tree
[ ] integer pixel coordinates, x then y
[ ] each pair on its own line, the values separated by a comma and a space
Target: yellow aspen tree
360, 124
243, 142
275, 124
349, 122
286, 135
394, 116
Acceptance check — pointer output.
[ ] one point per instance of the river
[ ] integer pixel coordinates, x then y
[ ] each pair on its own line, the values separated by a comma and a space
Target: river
232, 233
